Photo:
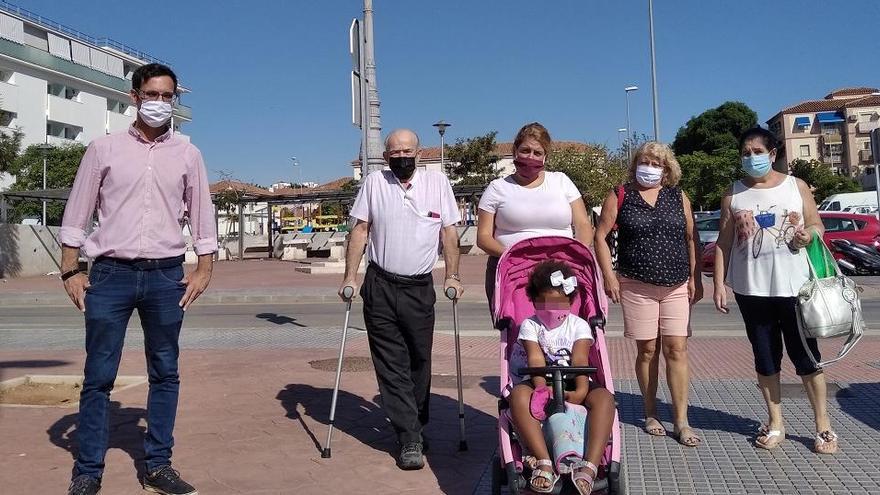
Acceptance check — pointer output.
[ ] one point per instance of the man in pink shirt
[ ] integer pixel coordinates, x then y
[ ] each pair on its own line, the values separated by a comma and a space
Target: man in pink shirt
146, 184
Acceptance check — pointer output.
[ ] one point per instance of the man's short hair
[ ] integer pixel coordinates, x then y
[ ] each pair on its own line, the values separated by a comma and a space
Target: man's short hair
149, 71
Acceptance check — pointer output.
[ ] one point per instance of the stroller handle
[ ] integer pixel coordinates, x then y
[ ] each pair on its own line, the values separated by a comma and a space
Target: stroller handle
564, 371
451, 292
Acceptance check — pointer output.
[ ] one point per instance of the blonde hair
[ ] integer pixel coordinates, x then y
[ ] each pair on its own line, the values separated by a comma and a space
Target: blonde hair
663, 154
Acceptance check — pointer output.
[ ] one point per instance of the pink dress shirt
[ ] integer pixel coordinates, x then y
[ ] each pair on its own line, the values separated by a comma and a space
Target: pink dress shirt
142, 190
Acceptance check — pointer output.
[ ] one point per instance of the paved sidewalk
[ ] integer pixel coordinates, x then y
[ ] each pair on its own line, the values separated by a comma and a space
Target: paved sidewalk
251, 421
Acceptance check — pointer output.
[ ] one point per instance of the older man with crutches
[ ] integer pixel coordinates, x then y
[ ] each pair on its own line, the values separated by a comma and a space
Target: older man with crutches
402, 215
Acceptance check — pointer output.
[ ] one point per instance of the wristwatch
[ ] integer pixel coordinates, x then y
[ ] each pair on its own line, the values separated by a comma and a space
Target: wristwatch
67, 275
454, 276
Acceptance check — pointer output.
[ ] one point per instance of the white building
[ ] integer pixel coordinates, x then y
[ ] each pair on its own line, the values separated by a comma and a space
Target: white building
59, 86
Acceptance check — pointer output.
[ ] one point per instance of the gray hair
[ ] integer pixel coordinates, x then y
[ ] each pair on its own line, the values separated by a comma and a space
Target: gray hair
401, 131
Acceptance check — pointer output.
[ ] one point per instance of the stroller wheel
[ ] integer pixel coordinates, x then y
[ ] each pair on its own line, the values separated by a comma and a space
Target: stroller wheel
515, 483
616, 479
498, 476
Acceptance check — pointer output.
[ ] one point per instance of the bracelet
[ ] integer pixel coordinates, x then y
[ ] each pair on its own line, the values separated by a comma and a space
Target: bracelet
67, 275
454, 276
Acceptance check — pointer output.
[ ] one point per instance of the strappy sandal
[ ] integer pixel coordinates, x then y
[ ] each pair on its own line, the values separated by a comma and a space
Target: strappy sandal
579, 473
654, 427
691, 440
550, 476
772, 437
826, 442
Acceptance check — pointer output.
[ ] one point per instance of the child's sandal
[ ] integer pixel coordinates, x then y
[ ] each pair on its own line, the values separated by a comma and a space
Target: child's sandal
538, 473
579, 473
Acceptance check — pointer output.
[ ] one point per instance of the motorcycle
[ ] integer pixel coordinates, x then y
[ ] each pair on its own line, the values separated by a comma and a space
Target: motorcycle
855, 259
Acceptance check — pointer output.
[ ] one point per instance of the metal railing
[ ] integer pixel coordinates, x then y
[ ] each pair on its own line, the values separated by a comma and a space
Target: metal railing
79, 35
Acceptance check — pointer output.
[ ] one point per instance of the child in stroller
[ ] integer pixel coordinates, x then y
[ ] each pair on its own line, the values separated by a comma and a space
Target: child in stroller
556, 337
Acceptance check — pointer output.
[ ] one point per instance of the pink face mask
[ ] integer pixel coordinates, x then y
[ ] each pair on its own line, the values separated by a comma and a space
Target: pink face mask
528, 168
552, 317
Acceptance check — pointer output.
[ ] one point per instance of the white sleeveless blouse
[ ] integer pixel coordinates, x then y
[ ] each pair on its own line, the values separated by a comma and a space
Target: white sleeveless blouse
761, 263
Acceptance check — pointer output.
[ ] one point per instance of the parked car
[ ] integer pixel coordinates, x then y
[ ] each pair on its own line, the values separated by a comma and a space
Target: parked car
707, 259
860, 229
707, 228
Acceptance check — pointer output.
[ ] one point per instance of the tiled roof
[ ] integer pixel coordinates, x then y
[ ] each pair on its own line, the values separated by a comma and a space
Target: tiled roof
251, 189
504, 149
815, 106
333, 185
851, 92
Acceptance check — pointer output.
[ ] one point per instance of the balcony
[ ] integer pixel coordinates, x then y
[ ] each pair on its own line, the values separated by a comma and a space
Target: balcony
831, 138
183, 112
866, 127
60, 141
9, 97
118, 122
45, 60
64, 110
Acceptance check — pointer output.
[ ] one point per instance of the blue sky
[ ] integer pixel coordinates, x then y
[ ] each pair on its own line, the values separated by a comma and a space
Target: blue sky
270, 79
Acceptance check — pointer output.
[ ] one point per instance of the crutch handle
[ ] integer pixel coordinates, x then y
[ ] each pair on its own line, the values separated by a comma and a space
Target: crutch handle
451, 292
347, 292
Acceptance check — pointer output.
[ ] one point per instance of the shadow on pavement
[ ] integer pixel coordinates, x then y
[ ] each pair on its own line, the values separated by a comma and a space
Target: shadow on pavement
126, 433
861, 401
279, 319
630, 410
456, 472
29, 363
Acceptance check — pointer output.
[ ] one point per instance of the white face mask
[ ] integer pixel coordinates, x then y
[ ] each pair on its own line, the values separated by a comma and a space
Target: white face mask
648, 176
155, 113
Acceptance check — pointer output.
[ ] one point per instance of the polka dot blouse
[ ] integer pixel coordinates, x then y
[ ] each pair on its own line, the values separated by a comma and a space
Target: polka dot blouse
652, 245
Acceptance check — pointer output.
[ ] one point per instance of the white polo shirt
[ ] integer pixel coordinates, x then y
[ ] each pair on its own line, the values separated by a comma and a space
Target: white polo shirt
405, 219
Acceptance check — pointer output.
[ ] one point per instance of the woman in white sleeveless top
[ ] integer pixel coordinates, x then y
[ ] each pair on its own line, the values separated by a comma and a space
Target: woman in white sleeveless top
767, 219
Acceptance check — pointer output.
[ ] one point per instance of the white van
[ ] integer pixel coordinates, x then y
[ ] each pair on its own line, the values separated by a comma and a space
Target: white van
842, 201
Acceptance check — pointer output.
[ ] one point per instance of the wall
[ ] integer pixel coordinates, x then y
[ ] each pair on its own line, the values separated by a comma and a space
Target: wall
28, 250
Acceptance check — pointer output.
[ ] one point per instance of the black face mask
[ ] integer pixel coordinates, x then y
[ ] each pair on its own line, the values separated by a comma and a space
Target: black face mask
402, 166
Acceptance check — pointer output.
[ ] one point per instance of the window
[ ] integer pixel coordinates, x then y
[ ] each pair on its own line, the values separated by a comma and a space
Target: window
708, 225
62, 91
860, 224
7, 118
116, 106
805, 150
864, 117
838, 224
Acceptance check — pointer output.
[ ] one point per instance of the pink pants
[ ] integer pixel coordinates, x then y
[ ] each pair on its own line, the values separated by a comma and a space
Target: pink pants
650, 311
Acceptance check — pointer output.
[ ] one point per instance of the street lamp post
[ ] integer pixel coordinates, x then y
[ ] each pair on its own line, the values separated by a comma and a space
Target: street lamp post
653, 72
619, 144
44, 148
627, 90
441, 128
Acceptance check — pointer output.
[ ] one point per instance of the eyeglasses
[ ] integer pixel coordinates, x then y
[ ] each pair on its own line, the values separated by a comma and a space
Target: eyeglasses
155, 95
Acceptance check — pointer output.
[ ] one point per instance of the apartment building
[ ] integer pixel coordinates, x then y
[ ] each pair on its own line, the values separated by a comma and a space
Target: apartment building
834, 130
60, 86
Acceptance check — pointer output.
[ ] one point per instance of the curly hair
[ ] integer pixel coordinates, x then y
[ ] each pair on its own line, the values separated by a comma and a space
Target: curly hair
663, 154
539, 280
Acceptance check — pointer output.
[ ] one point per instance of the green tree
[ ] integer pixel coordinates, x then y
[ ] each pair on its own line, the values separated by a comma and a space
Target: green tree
591, 170
10, 145
62, 163
821, 179
472, 161
715, 130
705, 177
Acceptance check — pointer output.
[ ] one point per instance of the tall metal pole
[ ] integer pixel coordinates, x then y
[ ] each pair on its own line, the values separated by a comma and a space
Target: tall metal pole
628, 140
44, 189
374, 131
653, 72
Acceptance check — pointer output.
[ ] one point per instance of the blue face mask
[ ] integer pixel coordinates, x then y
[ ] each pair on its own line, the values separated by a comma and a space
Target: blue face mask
756, 165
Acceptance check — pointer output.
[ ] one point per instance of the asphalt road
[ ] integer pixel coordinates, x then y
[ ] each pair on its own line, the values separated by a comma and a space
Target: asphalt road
473, 318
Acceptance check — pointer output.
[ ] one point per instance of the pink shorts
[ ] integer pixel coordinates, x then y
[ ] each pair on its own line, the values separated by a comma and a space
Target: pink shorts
652, 310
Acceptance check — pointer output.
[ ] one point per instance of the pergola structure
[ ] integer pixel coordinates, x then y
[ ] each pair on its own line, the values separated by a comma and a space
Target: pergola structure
294, 197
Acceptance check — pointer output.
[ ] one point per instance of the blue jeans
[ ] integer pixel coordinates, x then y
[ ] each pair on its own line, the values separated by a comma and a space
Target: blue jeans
116, 291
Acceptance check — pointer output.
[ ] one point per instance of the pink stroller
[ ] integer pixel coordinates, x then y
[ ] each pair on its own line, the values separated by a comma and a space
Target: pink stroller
512, 306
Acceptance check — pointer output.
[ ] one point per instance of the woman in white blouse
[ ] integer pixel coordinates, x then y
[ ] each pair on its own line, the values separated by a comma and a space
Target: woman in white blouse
529, 203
